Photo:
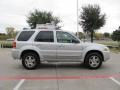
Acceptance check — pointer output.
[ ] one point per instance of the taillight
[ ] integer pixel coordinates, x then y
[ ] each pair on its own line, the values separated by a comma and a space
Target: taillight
14, 44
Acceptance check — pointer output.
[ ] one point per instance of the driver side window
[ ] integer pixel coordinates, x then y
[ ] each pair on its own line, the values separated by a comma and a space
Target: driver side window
64, 37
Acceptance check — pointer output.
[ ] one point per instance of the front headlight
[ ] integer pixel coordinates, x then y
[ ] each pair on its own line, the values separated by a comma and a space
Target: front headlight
106, 49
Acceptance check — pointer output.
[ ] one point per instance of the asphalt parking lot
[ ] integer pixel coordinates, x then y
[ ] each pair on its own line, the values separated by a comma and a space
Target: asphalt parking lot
58, 76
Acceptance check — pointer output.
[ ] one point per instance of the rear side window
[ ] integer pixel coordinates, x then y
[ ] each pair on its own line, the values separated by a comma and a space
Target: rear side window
25, 35
45, 36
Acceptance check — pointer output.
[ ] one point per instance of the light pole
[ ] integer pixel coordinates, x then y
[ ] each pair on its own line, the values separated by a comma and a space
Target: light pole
77, 19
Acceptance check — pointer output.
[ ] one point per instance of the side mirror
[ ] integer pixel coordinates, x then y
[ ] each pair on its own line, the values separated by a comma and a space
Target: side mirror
75, 41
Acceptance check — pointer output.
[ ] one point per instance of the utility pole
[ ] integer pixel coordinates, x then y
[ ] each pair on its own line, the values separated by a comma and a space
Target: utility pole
77, 19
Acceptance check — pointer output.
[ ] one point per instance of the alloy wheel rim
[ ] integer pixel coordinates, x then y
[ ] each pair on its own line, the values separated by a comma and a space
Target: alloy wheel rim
94, 61
30, 61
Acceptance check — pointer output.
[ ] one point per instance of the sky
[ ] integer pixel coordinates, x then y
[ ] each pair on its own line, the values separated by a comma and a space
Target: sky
13, 13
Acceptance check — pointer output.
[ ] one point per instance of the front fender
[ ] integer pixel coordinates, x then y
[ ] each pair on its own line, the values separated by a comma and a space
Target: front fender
90, 48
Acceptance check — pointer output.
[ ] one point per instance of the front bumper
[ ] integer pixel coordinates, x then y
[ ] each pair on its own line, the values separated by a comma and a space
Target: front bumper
106, 55
15, 54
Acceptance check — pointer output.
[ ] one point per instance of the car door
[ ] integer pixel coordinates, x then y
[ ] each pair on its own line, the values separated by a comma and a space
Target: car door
47, 47
68, 47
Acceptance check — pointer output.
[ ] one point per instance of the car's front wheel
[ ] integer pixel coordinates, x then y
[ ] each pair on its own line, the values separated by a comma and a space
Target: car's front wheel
30, 61
93, 60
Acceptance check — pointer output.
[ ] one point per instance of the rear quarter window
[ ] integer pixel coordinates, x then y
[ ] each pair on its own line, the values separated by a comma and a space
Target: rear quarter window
25, 35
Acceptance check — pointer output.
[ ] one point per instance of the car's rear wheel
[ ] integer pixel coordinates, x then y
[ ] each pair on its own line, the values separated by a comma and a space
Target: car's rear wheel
93, 60
30, 61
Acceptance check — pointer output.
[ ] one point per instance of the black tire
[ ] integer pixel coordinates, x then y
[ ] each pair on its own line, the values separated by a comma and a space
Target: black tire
89, 61
35, 61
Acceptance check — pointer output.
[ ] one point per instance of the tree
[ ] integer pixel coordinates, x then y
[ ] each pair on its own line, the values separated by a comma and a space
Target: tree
92, 19
10, 31
98, 36
15, 34
116, 36
81, 35
42, 17
106, 35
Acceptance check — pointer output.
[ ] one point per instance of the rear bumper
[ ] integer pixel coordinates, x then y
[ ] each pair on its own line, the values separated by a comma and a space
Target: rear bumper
15, 54
106, 55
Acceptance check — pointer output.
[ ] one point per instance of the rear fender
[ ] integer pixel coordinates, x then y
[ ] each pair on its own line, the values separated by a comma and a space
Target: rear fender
30, 47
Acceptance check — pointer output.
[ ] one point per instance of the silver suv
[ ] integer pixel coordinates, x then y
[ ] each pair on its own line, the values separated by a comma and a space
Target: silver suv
35, 46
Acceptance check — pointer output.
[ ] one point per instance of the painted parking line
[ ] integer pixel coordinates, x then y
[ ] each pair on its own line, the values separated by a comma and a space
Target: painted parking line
19, 84
58, 77
114, 80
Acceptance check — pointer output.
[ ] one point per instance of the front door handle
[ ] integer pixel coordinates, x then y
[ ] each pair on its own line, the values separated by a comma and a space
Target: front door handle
61, 45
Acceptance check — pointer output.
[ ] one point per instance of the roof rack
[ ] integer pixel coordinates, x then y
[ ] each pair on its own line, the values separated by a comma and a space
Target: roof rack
45, 26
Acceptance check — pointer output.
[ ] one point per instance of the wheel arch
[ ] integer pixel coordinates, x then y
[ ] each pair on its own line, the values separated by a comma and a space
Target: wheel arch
93, 51
29, 50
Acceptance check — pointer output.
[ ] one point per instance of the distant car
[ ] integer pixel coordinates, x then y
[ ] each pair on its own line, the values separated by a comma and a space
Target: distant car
35, 46
10, 39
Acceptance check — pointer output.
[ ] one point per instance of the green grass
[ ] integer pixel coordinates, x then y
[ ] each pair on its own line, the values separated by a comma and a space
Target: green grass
115, 50
6, 44
113, 45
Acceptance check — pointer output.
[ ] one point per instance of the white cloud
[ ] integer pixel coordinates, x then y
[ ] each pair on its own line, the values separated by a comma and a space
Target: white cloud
14, 12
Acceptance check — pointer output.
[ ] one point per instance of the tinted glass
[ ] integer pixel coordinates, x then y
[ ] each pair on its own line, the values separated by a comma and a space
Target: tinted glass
64, 37
45, 36
25, 35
